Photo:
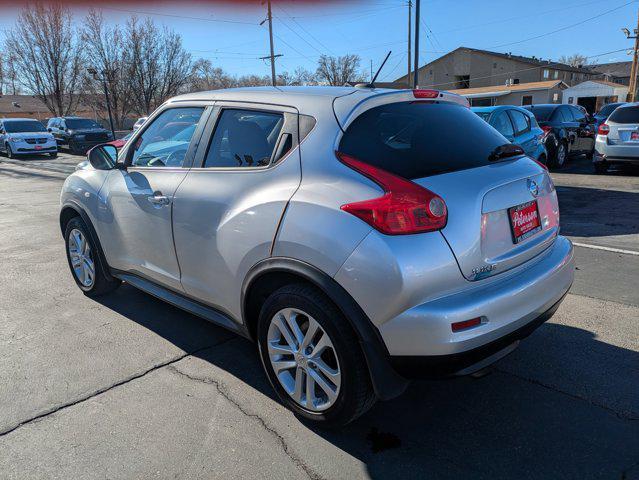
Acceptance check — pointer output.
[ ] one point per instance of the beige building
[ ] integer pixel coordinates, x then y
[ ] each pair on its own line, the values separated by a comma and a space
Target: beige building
549, 91
472, 68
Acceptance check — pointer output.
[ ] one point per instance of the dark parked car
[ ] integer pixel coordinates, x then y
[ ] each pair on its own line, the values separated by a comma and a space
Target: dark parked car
568, 131
78, 134
602, 115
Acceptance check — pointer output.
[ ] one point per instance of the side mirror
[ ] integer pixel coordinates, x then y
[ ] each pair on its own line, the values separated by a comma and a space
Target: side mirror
103, 157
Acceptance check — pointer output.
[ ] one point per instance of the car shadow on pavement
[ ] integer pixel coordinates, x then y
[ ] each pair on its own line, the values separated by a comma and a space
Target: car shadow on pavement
594, 212
564, 405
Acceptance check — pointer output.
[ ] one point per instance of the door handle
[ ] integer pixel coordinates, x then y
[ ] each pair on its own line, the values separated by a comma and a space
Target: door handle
158, 199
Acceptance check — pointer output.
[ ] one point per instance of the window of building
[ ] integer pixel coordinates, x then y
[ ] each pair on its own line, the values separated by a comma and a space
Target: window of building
463, 81
546, 73
555, 97
515, 81
556, 74
482, 102
526, 100
495, 65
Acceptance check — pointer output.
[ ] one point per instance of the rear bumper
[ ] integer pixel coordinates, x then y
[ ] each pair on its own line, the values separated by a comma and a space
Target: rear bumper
615, 153
505, 305
470, 361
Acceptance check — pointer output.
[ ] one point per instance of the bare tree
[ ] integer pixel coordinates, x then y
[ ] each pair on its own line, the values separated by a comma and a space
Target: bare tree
158, 65
574, 60
338, 70
204, 76
11, 84
105, 51
47, 55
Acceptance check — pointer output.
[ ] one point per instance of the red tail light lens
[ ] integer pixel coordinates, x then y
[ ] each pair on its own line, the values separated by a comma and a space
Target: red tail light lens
466, 324
405, 207
546, 130
425, 93
604, 129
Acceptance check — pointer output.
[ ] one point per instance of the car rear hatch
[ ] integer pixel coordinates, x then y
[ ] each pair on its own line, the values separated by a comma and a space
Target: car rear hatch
502, 212
623, 132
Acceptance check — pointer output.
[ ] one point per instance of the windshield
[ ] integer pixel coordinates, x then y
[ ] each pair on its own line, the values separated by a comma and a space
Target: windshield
542, 112
419, 139
24, 126
608, 109
485, 116
81, 123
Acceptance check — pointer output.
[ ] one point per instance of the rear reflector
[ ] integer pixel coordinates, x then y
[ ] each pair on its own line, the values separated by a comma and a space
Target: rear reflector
466, 324
425, 93
604, 129
405, 207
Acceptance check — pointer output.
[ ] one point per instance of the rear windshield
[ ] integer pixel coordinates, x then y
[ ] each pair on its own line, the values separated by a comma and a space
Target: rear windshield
625, 115
608, 109
542, 113
419, 139
485, 116
24, 126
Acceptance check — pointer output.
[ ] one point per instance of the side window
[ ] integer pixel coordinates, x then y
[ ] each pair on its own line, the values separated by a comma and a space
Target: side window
61, 124
578, 115
560, 116
243, 138
165, 141
502, 124
521, 121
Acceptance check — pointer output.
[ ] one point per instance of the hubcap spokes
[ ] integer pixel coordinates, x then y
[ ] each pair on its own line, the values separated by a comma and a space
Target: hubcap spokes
304, 359
81, 258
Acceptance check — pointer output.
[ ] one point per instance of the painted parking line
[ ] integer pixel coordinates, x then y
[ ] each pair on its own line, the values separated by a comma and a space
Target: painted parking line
607, 249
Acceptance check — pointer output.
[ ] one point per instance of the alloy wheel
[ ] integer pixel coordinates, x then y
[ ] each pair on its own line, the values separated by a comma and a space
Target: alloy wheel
561, 154
81, 258
304, 359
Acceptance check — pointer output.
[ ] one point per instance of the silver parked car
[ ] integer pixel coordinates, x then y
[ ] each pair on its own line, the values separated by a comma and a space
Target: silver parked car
24, 136
617, 141
351, 232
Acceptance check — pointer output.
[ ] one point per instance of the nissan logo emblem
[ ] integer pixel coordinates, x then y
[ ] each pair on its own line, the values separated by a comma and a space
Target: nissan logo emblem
533, 187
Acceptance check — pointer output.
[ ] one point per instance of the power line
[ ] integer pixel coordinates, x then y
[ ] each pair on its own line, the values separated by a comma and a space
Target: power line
566, 27
204, 19
305, 30
302, 38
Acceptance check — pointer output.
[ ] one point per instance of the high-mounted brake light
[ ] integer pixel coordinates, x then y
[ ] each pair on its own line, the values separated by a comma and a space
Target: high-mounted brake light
426, 93
604, 129
405, 207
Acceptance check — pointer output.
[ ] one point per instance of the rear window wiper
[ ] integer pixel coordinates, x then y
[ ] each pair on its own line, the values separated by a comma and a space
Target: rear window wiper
505, 151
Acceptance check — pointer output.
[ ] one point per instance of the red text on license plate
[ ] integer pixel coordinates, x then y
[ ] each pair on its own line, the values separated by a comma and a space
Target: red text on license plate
524, 220
634, 136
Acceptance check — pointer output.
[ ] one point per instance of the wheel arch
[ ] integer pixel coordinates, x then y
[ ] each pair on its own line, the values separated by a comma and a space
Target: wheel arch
272, 273
72, 210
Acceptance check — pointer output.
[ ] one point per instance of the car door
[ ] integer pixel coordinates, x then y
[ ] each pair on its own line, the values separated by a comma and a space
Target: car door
523, 134
137, 199
585, 132
501, 122
3, 137
228, 208
570, 126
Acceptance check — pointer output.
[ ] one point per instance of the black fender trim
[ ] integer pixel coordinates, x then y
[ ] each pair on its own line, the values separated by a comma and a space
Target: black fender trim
387, 383
94, 235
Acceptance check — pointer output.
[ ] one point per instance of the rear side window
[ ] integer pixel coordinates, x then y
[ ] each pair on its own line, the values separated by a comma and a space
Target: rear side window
625, 115
502, 123
522, 124
542, 113
420, 139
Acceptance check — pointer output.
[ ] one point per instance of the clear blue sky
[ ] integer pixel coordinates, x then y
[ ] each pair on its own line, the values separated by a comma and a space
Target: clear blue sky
231, 36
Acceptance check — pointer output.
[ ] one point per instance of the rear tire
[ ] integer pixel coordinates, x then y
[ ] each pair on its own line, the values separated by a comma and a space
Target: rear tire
353, 393
84, 262
53, 155
559, 156
600, 168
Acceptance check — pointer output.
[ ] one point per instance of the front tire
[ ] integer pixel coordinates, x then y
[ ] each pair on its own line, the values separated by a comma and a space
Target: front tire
82, 256
312, 357
10, 153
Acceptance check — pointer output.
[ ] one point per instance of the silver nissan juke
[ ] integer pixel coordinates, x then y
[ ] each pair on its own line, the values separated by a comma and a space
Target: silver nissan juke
361, 237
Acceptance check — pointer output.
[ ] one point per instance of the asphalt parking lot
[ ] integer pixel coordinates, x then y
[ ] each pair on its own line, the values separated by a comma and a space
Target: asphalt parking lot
130, 387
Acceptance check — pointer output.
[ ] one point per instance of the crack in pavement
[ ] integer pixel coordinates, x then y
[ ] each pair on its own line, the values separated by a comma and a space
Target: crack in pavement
218, 386
620, 415
102, 390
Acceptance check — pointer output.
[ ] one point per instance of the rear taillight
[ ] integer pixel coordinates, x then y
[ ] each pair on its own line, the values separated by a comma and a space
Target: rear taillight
546, 130
604, 129
404, 208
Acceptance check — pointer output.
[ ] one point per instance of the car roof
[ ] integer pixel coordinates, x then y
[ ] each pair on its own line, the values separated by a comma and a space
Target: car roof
19, 119
628, 105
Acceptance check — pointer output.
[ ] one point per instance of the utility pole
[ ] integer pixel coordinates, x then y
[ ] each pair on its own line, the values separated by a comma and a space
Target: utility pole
371, 69
632, 88
410, 8
416, 62
94, 72
270, 34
